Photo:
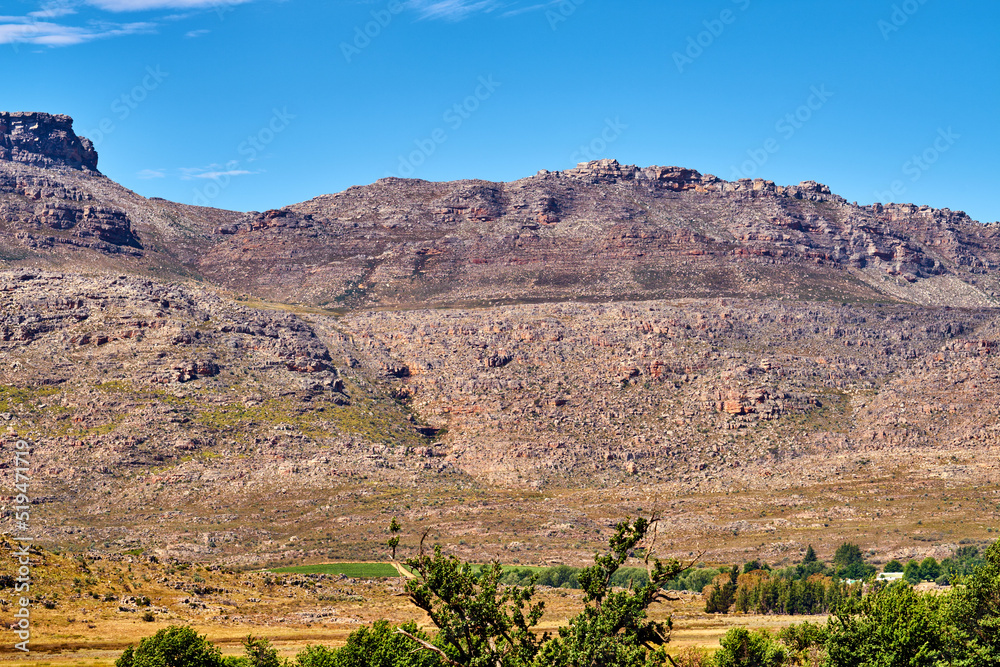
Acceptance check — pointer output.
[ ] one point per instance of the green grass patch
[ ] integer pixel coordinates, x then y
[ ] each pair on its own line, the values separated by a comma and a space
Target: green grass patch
359, 570
18, 398
376, 421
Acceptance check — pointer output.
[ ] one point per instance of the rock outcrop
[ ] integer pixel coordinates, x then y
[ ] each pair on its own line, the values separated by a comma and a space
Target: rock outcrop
44, 140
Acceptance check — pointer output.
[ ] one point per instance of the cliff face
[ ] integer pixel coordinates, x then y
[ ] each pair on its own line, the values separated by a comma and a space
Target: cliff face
51, 194
44, 140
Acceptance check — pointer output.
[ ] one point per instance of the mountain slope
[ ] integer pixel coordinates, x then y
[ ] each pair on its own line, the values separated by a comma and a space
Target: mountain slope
773, 365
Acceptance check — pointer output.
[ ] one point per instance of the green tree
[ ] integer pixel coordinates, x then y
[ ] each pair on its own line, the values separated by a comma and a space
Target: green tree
850, 562
930, 569
393, 542
381, 645
721, 595
260, 653
743, 648
613, 630
480, 622
810, 556
175, 646
810, 565
962, 563
893, 566
911, 573
894, 626
974, 613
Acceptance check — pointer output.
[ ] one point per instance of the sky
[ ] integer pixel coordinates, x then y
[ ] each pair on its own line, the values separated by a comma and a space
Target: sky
258, 104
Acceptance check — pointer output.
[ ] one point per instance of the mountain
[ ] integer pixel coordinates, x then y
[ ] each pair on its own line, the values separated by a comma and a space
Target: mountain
516, 364
597, 232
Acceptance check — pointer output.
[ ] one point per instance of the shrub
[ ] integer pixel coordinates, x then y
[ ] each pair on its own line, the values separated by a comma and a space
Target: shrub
693, 657
175, 646
893, 626
260, 653
378, 646
321, 656
743, 648
806, 642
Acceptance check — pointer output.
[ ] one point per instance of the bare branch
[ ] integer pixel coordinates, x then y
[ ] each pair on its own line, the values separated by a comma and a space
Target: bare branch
695, 560
650, 549
423, 565
430, 647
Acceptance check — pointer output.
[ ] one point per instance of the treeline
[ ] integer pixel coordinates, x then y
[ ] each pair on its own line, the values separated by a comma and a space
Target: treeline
564, 576
808, 587
892, 624
960, 564
813, 587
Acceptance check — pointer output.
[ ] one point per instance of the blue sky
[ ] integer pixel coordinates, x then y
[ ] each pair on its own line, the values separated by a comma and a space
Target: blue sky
256, 104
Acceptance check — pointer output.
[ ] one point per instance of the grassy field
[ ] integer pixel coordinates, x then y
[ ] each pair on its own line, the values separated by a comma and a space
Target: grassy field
357, 570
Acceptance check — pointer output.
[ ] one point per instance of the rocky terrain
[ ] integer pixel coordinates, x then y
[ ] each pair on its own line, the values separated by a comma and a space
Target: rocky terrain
603, 231
514, 365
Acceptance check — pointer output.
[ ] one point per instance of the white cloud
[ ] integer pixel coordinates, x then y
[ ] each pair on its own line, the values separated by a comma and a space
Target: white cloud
220, 174
145, 5
147, 174
456, 10
45, 33
187, 173
214, 171
196, 33
453, 10
53, 10
531, 8
42, 27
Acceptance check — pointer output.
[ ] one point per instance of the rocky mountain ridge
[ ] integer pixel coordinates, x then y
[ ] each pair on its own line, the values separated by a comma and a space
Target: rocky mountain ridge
599, 231
603, 230
519, 364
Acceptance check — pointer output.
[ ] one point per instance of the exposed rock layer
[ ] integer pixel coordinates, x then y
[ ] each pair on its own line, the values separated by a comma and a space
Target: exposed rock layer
44, 140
